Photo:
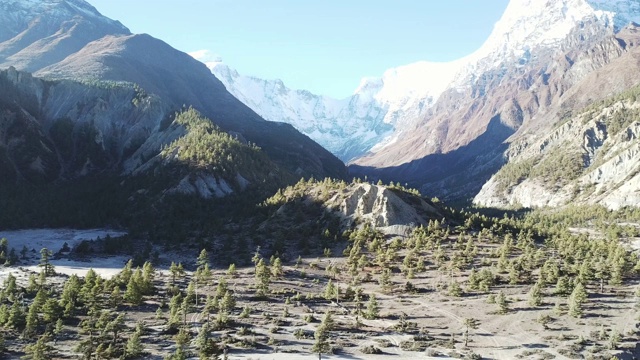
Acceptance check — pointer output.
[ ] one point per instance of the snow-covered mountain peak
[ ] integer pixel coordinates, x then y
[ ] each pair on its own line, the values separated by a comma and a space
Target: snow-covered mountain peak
422, 79
527, 24
624, 12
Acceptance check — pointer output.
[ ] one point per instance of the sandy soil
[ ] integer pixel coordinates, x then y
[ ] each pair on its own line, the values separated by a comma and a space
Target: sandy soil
54, 239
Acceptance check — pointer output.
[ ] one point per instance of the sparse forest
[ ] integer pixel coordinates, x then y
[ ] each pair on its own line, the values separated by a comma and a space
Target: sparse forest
453, 287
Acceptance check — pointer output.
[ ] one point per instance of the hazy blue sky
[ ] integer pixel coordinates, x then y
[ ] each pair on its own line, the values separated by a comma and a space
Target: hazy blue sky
324, 46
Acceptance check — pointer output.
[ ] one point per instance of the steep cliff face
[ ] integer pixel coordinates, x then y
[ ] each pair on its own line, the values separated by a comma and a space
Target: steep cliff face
52, 131
590, 158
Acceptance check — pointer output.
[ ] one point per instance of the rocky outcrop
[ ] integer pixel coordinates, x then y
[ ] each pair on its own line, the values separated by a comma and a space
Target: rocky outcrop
605, 167
386, 209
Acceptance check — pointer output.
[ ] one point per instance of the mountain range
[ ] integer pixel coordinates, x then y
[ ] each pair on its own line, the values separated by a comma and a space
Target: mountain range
87, 105
446, 128
83, 97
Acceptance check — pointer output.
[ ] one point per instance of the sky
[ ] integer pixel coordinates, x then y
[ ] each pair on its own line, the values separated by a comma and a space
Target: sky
324, 46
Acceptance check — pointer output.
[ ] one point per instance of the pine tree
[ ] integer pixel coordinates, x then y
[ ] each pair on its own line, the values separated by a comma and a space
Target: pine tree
45, 262
148, 275
535, 295
469, 323
32, 321
134, 345
276, 268
228, 302
454, 289
327, 321
263, 278
133, 294
115, 327
232, 270
116, 297
576, 300
51, 310
59, 329
330, 291
563, 286
203, 259
373, 309
176, 271
503, 305
614, 339
321, 345
385, 279
16, 317
40, 350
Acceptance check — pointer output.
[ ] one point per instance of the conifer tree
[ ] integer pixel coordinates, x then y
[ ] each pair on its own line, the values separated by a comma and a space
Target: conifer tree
134, 347
45, 262
373, 309
40, 350
133, 294
276, 268
176, 271
503, 305
454, 289
469, 323
321, 335
535, 295
576, 300
263, 277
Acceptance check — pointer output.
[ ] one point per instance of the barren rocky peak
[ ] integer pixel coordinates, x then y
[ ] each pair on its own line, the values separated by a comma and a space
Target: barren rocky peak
35, 34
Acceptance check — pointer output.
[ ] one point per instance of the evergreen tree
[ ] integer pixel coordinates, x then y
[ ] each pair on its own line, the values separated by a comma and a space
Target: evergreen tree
232, 270
176, 271
503, 305
45, 262
263, 278
40, 350
454, 289
373, 309
469, 323
133, 294
576, 300
321, 345
330, 291
535, 295
51, 310
614, 339
134, 347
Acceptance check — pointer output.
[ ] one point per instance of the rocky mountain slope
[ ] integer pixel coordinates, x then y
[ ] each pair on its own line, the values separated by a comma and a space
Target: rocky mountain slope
69, 39
344, 206
592, 157
454, 122
114, 143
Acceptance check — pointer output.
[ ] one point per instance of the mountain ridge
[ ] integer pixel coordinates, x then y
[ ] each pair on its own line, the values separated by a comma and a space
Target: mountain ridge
51, 45
405, 94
